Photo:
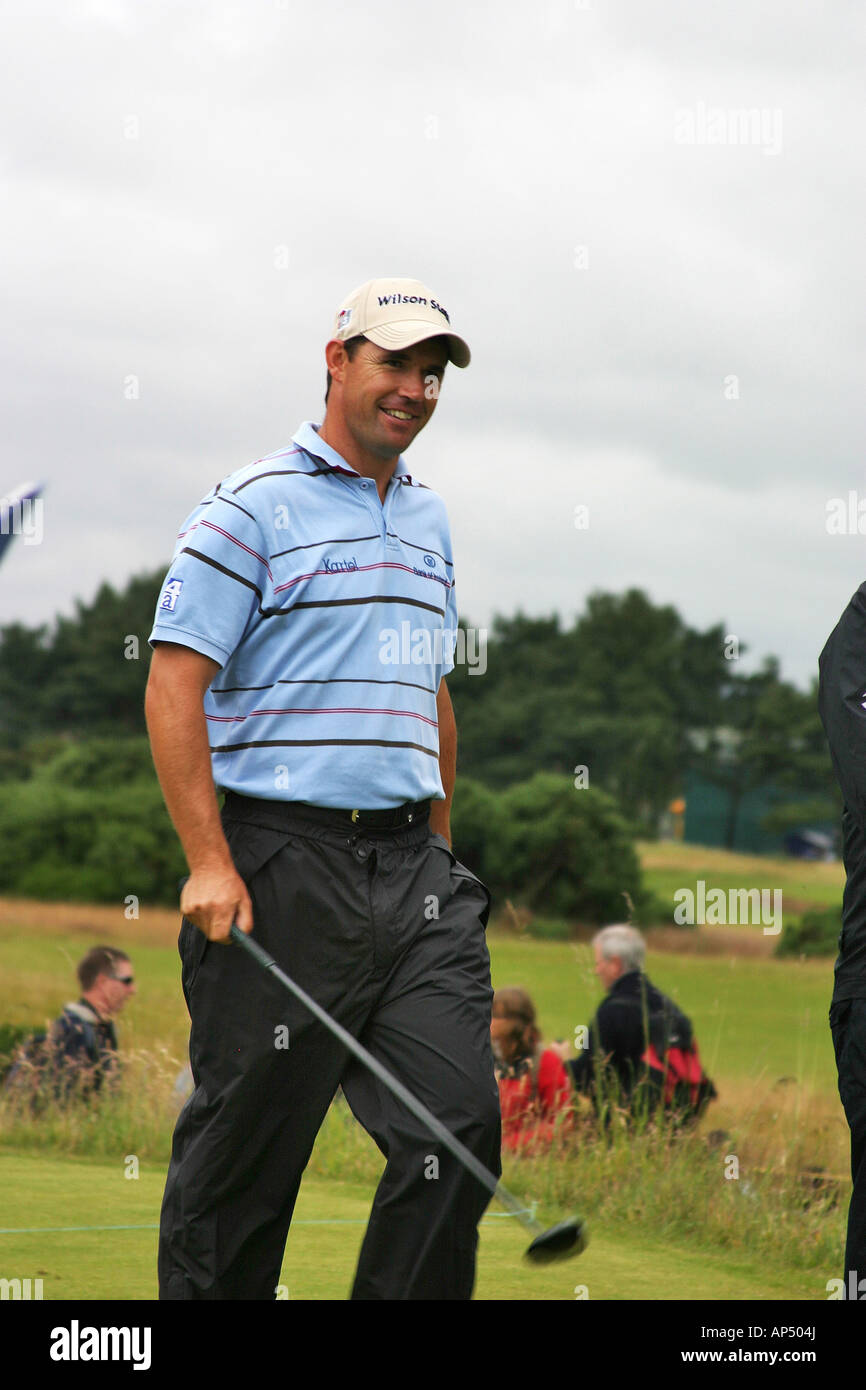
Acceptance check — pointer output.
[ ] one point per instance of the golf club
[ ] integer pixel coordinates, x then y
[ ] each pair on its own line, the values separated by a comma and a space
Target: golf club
558, 1242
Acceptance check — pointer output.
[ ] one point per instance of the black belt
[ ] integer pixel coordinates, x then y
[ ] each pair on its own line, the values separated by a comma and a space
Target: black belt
389, 819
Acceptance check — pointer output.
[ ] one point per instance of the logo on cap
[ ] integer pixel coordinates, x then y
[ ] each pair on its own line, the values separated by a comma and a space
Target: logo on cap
343, 320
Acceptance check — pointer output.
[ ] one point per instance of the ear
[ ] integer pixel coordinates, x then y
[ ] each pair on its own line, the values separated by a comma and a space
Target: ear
336, 358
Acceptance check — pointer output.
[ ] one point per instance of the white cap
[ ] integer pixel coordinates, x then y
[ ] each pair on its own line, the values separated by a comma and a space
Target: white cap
397, 314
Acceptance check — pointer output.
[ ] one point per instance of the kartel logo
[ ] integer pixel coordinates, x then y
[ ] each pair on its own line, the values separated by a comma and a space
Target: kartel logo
339, 566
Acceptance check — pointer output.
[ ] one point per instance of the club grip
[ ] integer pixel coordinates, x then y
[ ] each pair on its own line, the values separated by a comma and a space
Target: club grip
240, 938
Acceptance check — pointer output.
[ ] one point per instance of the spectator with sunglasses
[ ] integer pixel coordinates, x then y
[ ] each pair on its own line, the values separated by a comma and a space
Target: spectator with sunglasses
83, 1040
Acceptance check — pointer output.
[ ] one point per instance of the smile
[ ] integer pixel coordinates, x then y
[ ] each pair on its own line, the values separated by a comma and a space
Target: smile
398, 414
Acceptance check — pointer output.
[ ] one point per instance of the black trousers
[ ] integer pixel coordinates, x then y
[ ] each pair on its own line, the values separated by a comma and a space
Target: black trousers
385, 929
848, 1026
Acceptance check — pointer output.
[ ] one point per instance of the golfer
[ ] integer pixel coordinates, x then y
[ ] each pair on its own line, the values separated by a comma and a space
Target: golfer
841, 706
301, 641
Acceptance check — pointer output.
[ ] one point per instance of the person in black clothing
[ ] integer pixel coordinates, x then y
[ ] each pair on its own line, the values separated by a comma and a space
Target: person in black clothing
610, 1068
842, 706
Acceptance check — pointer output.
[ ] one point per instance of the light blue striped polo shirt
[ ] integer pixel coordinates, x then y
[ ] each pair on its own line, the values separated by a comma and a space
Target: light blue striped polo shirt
333, 619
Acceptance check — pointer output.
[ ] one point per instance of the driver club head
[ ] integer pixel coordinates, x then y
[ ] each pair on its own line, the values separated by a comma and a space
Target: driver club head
559, 1242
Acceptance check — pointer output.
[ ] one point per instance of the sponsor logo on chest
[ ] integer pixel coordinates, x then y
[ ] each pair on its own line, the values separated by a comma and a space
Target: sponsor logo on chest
339, 566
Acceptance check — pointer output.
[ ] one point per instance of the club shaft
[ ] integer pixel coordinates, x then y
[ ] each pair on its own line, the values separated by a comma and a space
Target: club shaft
420, 1111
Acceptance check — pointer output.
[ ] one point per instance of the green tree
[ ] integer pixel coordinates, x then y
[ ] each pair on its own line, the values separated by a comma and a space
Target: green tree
566, 852
87, 674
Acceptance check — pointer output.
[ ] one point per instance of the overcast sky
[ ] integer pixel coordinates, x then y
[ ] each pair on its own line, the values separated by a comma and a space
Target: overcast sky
646, 220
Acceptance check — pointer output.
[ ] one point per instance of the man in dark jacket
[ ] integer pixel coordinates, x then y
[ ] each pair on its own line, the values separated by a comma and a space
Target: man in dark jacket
79, 1052
611, 1066
842, 706
83, 1038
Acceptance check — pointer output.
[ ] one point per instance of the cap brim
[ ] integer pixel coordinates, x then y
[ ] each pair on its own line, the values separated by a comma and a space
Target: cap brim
408, 333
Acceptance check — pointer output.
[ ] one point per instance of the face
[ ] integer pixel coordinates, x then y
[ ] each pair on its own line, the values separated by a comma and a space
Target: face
117, 987
503, 1045
608, 971
386, 397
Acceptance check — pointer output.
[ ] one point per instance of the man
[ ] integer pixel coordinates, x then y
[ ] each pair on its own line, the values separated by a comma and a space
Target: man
80, 1050
842, 706
616, 1067
301, 643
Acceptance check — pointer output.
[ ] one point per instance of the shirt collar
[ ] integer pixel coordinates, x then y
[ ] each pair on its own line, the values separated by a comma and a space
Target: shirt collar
309, 439
83, 1009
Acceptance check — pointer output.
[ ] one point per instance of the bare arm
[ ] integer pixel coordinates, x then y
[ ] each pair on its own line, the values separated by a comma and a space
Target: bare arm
440, 811
215, 894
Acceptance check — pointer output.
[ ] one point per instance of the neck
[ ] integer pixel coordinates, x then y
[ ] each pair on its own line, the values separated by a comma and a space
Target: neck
97, 1007
334, 433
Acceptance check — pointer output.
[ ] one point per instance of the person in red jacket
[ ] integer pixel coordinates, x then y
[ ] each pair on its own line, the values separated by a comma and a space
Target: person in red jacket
534, 1090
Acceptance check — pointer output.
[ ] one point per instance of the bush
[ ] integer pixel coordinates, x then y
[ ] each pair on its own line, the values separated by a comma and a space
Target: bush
816, 934
476, 825
652, 910
67, 843
104, 763
565, 852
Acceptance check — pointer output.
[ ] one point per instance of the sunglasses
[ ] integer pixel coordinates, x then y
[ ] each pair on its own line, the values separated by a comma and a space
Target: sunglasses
125, 979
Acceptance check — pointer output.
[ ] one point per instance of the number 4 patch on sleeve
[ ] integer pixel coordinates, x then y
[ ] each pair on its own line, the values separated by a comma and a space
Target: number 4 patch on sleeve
171, 594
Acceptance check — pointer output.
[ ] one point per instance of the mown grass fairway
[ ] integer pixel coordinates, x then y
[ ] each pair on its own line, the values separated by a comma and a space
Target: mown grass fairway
324, 1243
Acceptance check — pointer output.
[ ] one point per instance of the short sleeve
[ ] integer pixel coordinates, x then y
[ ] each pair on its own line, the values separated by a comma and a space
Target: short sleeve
219, 581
